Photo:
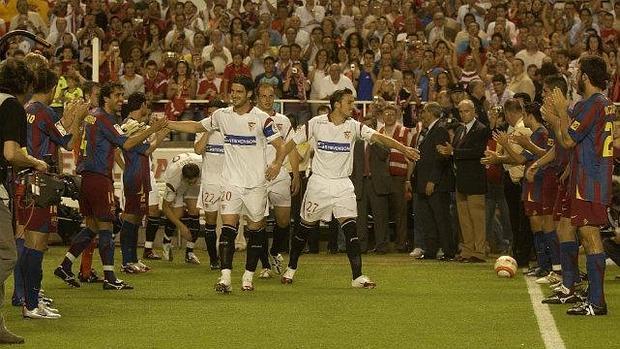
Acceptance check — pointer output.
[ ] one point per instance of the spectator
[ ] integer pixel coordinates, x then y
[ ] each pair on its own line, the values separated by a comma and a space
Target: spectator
520, 81
333, 82
499, 92
578, 30
310, 15
179, 30
210, 86
153, 82
531, 54
235, 68
466, 150
477, 96
371, 180
131, 81
29, 20
270, 76
217, 53
432, 183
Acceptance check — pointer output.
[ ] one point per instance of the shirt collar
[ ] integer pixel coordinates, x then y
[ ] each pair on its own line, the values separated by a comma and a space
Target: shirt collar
470, 124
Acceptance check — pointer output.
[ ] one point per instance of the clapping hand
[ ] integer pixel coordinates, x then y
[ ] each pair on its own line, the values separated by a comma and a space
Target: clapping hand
158, 124
445, 149
501, 138
490, 158
412, 154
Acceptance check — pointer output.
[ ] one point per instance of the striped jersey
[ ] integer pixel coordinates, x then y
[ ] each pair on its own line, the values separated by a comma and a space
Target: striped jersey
245, 138
101, 135
45, 131
532, 191
592, 157
137, 172
333, 144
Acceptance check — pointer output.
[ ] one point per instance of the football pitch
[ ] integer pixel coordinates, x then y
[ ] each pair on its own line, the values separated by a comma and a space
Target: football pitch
417, 304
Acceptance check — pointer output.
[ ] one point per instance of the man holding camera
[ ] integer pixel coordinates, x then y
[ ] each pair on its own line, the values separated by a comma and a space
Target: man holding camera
102, 135
15, 83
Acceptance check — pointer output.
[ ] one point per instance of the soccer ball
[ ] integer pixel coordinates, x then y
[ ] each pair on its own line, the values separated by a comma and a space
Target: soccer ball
505, 267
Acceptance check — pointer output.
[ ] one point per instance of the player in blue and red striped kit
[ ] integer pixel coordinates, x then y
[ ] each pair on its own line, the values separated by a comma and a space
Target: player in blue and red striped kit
102, 135
136, 183
589, 132
47, 132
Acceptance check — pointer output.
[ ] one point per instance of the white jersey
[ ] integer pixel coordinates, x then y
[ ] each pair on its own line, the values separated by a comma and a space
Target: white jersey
245, 139
284, 126
333, 144
174, 176
212, 158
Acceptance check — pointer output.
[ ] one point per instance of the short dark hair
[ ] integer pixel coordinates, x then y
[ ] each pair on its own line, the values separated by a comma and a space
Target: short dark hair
15, 77
106, 91
45, 80
534, 109
337, 96
522, 95
548, 69
596, 70
135, 101
190, 171
89, 86
513, 105
558, 81
247, 83
499, 78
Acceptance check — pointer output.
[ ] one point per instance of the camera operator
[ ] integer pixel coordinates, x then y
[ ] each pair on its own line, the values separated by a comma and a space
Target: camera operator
15, 83
46, 133
102, 135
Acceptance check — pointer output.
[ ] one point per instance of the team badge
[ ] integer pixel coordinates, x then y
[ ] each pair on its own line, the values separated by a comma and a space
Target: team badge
251, 125
610, 109
347, 134
575, 125
550, 142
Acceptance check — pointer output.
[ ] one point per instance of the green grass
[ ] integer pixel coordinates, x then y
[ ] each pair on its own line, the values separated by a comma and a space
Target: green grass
416, 305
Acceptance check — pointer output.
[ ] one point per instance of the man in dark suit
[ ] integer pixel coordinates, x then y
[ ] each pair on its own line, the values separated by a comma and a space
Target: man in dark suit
466, 150
371, 180
433, 181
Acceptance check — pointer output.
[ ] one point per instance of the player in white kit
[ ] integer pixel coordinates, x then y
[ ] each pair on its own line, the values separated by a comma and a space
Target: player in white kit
247, 131
182, 179
278, 190
330, 191
211, 146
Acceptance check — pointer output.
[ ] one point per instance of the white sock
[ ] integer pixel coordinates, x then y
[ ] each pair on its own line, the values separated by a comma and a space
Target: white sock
225, 278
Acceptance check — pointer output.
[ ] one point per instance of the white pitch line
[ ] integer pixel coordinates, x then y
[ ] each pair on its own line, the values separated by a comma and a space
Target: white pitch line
546, 324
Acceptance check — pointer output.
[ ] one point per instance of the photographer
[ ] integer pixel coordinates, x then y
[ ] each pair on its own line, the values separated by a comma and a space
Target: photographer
46, 133
15, 83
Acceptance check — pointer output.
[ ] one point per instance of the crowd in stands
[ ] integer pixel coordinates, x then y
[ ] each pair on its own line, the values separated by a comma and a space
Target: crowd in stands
388, 52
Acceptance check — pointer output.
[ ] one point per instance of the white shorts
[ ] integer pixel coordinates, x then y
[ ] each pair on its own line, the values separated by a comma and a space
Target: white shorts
210, 197
279, 193
244, 201
191, 193
325, 197
154, 196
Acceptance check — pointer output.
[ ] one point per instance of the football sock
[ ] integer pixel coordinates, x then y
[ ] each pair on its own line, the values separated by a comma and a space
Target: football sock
553, 245
539, 247
169, 231
193, 223
134, 243
256, 241
106, 252
298, 243
227, 246
87, 258
349, 227
210, 240
80, 243
32, 268
152, 225
595, 264
127, 230
18, 276
279, 239
569, 252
